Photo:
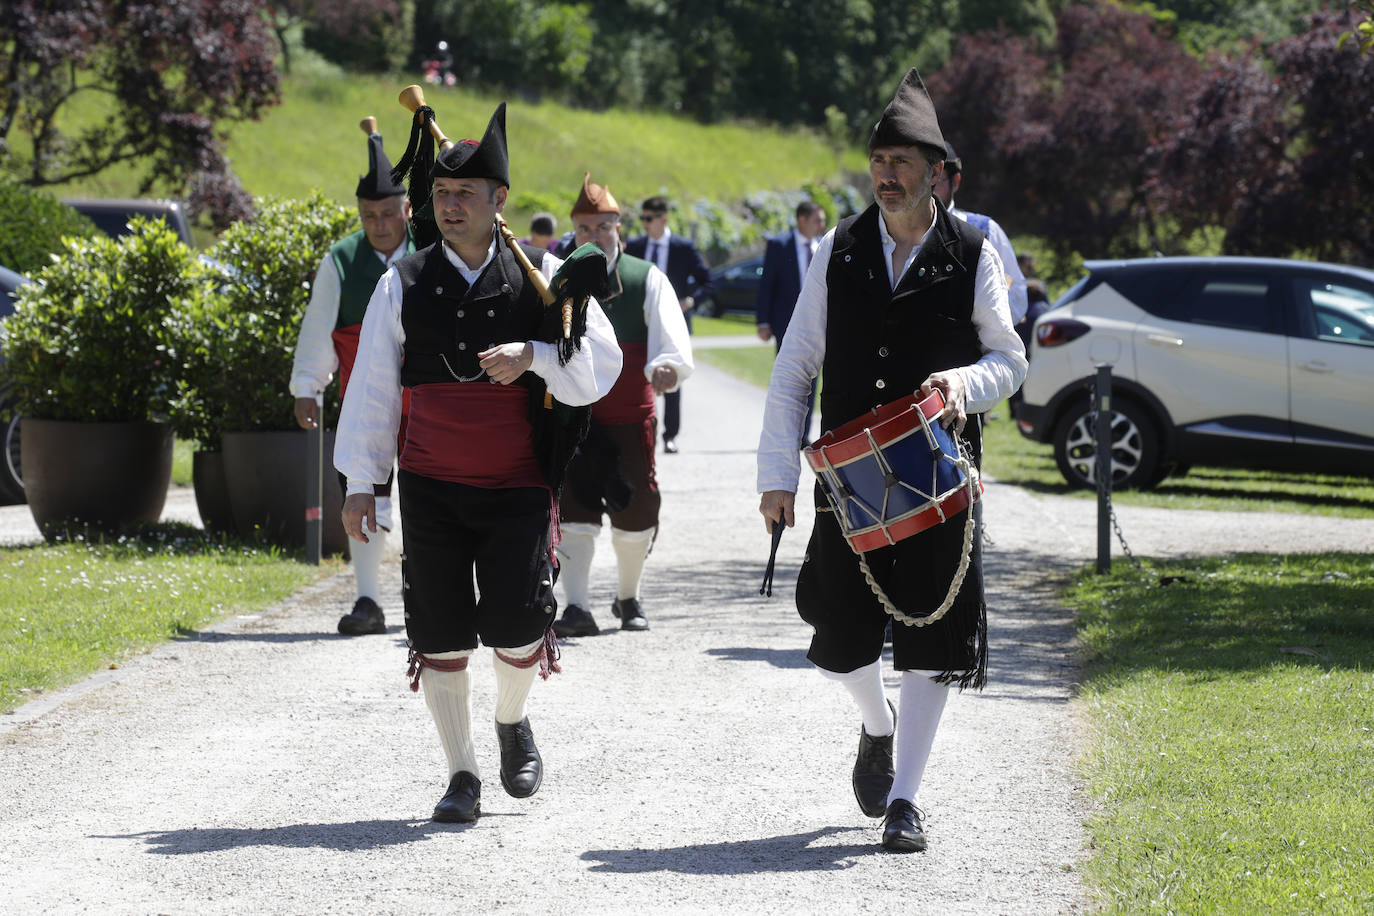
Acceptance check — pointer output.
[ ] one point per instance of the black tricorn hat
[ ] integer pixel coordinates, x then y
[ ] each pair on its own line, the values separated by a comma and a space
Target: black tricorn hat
378, 184
478, 159
909, 119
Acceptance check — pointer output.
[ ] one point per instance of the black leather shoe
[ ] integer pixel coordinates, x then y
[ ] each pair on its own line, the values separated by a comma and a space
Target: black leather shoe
522, 769
630, 613
873, 770
902, 831
462, 802
366, 617
575, 622
670, 446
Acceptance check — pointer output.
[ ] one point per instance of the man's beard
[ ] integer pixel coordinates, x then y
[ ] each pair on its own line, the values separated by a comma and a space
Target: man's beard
917, 200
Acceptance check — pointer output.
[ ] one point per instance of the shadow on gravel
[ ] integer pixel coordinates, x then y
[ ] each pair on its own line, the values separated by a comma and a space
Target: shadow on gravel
347, 837
792, 853
183, 635
778, 658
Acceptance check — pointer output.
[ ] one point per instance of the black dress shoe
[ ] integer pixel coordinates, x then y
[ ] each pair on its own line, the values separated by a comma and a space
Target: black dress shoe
670, 446
902, 831
575, 622
462, 802
366, 617
630, 613
873, 770
522, 769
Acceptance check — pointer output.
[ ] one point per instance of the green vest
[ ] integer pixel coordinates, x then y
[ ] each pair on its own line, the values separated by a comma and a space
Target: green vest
359, 270
626, 309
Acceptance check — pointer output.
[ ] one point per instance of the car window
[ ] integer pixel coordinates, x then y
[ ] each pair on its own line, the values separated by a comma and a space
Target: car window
1245, 302
1335, 311
1159, 292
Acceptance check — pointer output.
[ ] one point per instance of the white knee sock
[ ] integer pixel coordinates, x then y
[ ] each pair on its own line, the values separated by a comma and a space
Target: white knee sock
512, 682
448, 695
918, 716
865, 685
575, 552
631, 550
367, 563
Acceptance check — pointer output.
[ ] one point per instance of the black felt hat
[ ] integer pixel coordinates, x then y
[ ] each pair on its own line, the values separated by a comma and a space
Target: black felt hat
909, 119
952, 161
378, 184
485, 158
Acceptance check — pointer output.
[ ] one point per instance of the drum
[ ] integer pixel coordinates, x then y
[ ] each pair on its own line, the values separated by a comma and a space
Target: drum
893, 472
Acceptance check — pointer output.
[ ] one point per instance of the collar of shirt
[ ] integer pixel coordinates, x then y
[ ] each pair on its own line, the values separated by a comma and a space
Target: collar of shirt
400, 252
470, 274
890, 245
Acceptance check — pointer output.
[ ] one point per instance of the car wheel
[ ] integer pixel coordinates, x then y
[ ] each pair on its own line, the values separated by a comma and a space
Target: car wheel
11, 484
1135, 448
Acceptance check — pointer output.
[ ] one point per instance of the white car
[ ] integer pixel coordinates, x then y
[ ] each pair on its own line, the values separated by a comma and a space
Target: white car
1249, 362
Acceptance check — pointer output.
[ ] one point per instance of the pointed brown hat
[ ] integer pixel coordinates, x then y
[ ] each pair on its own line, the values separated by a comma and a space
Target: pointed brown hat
594, 199
909, 119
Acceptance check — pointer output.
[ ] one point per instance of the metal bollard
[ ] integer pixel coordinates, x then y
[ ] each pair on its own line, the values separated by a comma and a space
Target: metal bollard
314, 488
1103, 392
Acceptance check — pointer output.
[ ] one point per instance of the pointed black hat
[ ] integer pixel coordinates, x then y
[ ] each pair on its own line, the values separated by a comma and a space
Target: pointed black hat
909, 119
478, 159
378, 184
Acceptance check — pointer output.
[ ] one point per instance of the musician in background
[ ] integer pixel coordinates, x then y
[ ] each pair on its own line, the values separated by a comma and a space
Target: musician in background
457, 324
614, 472
910, 299
950, 181
329, 341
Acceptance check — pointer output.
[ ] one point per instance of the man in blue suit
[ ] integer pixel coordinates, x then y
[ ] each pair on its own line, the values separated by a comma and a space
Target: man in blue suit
785, 262
677, 257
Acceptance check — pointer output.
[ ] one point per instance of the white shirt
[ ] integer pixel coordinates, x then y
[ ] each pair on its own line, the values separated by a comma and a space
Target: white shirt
803, 246
668, 343
656, 249
1016, 294
998, 373
316, 360
366, 444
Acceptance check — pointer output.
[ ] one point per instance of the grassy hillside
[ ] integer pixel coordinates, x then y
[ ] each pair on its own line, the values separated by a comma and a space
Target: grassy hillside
312, 140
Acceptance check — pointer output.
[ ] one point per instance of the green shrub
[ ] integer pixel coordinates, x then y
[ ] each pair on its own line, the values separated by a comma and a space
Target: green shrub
236, 341
32, 226
87, 341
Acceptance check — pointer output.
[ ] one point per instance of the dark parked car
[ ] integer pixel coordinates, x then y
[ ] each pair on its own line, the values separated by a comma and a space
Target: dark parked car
736, 287
11, 483
1241, 362
111, 215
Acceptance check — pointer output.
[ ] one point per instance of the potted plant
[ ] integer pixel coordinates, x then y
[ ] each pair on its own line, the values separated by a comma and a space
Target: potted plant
238, 344
86, 354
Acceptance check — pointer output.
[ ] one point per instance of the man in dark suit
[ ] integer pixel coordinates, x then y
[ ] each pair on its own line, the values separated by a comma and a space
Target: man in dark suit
677, 257
785, 262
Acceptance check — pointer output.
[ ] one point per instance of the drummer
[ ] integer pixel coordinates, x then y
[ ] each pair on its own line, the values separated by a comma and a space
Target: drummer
899, 299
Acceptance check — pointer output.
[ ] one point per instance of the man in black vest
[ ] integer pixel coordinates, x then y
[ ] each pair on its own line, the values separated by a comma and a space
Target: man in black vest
329, 341
910, 300
460, 325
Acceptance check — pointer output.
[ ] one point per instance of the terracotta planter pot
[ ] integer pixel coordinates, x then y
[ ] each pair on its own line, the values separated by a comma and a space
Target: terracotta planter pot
212, 492
265, 472
106, 474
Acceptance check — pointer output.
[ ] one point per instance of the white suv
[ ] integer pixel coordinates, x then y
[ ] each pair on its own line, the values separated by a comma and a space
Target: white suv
1250, 362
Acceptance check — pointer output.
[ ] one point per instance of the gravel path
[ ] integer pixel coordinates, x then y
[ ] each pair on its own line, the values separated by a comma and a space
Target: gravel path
269, 765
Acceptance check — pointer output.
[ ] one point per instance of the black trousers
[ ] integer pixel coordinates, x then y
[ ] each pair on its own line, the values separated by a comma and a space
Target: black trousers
476, 564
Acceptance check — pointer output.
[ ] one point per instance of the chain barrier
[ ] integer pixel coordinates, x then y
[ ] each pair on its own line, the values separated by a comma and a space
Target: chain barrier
1104, 466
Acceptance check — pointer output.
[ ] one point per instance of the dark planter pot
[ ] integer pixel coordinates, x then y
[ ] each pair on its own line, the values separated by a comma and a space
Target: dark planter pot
212, 492
110, 475
265, 472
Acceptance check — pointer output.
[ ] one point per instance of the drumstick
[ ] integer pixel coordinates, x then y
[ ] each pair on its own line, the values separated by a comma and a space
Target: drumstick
767, 587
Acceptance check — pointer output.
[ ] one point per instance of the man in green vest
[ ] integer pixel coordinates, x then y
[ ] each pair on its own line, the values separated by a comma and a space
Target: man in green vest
613, 473
329, 342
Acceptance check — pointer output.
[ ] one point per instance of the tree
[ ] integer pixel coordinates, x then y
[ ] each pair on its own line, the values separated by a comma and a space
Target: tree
163, 77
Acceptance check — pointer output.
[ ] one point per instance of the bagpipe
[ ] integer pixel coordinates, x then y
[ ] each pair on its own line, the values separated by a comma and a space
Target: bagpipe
889, 474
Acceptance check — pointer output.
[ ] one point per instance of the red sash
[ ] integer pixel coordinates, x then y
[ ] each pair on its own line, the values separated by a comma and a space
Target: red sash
631, 398
473, 433
346, 349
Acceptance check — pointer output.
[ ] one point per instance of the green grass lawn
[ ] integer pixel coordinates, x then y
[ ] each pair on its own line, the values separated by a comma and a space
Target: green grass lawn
1012, 458
1232, 719
72, 608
